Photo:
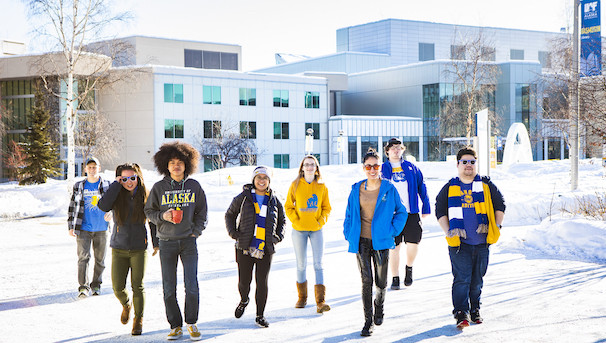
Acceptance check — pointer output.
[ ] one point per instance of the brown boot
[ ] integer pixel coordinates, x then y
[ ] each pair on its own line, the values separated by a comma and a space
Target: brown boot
302, 290
125, 313
320, 293
137, 326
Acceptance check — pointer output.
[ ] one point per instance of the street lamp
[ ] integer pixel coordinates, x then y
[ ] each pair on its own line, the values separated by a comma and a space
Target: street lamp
309, 141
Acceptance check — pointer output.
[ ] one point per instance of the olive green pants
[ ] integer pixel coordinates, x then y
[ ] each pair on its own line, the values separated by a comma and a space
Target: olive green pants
122, 262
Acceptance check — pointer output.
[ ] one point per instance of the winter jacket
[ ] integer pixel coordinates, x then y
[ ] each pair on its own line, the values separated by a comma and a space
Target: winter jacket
309, 207
169, 194
497, 204
240, 220
75, 212
416, 185
387, 222
130, 235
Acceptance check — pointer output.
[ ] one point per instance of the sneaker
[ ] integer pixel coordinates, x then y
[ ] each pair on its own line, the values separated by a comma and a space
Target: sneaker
83, 294
175, 333
462, 319
96, 291
475, 317
194, 334
240, 309
408, 277
395, 284
261, 321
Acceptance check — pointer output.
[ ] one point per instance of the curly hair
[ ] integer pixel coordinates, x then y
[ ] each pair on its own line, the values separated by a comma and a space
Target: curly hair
121, 205
179, 150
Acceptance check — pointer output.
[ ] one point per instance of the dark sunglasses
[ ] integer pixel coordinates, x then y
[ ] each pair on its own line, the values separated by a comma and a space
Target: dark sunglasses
132, 178
472, 162
372, 166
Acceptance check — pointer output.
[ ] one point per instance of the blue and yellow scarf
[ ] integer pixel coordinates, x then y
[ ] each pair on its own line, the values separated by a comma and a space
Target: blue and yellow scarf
482, 202
257, 245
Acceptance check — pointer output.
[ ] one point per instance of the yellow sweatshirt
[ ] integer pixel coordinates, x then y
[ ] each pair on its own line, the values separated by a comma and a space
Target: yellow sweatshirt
309, 208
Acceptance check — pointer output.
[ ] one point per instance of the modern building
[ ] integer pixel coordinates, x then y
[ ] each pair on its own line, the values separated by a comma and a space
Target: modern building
400, 69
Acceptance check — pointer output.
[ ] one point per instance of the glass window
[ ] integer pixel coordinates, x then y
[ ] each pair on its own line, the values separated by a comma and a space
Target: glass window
369, 142
312, 99
173, 128
168, 92
515, 54
280, 98
426, 52
488, 54
212, 129
211, 95
248, 96
545, 59
281, 161
193, 58
277, 98
280, 130
315, 127
211, 59
229, 61
457, 52
179, 128
248, 129
211, 162
173, 93
352, 149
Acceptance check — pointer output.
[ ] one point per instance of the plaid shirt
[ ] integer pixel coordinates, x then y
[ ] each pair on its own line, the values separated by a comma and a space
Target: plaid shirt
75, 213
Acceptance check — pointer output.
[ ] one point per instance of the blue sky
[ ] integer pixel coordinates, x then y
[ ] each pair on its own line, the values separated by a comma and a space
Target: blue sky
308, 27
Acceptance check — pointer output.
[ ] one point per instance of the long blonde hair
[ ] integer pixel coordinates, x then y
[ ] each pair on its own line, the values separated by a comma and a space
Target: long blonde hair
301, 173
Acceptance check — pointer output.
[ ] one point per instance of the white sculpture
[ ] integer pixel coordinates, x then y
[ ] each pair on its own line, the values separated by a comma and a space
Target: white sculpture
517, 146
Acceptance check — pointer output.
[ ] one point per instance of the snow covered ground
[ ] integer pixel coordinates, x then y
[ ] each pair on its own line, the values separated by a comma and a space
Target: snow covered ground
546, 281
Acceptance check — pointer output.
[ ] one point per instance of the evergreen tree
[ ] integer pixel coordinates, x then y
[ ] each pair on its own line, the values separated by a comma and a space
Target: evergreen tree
42, 159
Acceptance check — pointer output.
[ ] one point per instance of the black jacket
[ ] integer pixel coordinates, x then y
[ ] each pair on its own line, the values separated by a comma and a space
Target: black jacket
498, 202
240, 220
129, 235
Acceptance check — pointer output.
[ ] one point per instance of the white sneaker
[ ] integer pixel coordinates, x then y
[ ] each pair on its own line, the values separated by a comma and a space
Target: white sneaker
175, 333
194, 334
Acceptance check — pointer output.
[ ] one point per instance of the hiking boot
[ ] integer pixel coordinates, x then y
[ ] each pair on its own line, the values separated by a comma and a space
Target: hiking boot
408, 277
240, 309
137, 326
395, 284
462, 319
125, 313
475, 317
261, 321
194, 334
175, 333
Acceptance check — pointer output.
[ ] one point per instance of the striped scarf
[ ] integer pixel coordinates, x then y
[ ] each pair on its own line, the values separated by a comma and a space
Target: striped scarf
257, 245
455, 209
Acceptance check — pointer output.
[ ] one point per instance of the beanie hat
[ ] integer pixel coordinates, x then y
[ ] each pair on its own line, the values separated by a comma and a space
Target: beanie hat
261, 170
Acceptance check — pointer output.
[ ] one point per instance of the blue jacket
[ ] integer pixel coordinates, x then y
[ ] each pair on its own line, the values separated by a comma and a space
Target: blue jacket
416, 185
388, 220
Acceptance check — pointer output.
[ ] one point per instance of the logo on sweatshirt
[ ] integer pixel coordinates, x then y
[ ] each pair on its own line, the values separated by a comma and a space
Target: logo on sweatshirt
467, 199
312, 204
180, 198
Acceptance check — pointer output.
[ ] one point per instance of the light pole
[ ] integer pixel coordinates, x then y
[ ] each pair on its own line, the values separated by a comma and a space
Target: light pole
574, 103
309, 141
341, 145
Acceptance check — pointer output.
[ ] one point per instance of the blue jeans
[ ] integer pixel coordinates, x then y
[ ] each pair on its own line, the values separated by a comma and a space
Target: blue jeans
170, 251
299, 242
98, 240
469, 264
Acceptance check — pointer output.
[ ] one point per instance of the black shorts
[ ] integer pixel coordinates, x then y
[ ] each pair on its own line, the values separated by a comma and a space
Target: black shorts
413, 230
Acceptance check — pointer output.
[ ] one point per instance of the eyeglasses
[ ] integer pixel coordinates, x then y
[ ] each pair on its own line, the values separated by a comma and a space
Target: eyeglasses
132, 178
472, 162
372, 166
309, 164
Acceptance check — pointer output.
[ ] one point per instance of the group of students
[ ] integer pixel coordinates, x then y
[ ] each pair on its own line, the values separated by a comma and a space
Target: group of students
382, 211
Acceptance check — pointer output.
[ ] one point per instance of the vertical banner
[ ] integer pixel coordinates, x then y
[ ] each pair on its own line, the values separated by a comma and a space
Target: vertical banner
591, 41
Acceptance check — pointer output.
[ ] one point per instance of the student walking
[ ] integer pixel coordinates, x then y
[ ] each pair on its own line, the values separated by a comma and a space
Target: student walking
255, 219
126, 198
470, 210
408, 180
87, 223
177, 205
307, 207
374, 216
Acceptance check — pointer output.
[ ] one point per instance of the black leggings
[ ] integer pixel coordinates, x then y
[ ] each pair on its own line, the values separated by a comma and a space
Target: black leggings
245, 269
367, 259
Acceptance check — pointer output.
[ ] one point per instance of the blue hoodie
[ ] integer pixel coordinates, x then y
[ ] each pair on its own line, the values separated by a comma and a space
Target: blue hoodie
416, 185
387, 222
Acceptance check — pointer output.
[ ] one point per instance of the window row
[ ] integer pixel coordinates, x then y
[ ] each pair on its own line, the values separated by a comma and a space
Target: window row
211, 95
210, 59
484, 53
212, 162
173, 128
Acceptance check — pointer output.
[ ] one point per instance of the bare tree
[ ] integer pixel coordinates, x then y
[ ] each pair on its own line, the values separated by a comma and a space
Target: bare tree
474, 75
72, 24
226, 144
